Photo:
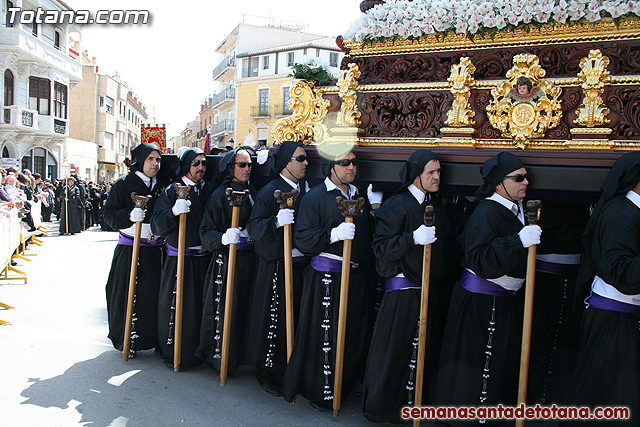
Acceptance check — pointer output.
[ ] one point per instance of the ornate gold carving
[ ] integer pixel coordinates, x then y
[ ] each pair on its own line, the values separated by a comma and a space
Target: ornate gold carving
309, 110
592, 111
523, 35
526, 105
461, 81
349, 115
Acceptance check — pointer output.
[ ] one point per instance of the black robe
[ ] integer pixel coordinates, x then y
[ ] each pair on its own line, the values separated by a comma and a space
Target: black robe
311, 368
165, 224
484, 330
74, 208
268, 320
215, 222
150, 258
556, 317
390, 376
608, 366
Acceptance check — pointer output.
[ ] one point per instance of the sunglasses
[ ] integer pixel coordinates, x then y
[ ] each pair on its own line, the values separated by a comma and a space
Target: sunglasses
301, 158
347, 162
518, 178
198, 162
243, 165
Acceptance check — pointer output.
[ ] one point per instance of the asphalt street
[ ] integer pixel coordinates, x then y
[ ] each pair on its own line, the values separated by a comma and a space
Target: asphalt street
58, 368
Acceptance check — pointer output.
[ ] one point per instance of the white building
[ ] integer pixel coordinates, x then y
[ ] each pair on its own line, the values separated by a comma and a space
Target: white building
39, 65
253, 78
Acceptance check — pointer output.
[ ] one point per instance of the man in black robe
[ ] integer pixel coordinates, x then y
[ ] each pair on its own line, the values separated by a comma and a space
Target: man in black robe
266, 227
217, 234
320, 232
120, 213
165, 223
481, 346
398, 245
72, 208
608, 366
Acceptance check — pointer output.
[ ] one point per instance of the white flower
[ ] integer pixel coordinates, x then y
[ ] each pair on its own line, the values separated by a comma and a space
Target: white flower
461, 26
513, 18
473, 27
485, 8
542, 16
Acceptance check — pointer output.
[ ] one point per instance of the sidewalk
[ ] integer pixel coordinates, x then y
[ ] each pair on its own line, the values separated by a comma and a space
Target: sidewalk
59, 369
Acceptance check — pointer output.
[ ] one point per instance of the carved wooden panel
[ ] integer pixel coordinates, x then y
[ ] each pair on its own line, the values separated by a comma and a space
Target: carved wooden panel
624, 103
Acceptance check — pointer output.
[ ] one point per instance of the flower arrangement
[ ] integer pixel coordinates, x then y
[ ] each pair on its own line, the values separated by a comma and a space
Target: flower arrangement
312, 69
414, 19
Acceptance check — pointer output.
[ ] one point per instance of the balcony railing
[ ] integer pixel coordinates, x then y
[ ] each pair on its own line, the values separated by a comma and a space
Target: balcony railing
229, 62
222, 126
282, 110
59, 127
228, 94
19, 116
261, 111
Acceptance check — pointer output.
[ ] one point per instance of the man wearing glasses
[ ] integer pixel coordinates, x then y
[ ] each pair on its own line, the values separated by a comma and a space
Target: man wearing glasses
266, 227
481, 347
320, 232
120, 213
165, 223
217, 234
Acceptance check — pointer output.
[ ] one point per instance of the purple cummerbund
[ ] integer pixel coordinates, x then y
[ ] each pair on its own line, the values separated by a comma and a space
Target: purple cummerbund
400, 283
555, 268
173, 251
598, 301
243, 245
323, 264
478, 285
123, 239
297, 259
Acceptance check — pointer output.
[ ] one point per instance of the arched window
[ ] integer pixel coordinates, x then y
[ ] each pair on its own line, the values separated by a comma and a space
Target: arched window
8, 88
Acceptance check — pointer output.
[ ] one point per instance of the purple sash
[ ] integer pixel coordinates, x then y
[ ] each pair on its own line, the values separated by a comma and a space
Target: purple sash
125, 240
598, 301
478, 285
555, 268
243, 245
173, 251
323, 264
297, 259
399, 283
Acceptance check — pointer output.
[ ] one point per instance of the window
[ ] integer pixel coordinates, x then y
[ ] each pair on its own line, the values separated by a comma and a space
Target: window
101, 102
60, 100
56, 39
109, 103
263, 108
290, 59
9, 6
285, 101
304, 51
265, 62
39, 95
317, 53
8, 87
108, 141
333, 59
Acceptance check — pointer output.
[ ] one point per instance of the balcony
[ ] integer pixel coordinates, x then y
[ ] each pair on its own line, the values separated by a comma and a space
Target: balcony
31, 51
54, 125
18, 116
226, 95
261, 111
282, 110
106, 156
225, 69
223, 126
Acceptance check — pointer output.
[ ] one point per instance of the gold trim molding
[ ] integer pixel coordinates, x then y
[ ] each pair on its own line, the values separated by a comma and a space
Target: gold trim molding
524, 35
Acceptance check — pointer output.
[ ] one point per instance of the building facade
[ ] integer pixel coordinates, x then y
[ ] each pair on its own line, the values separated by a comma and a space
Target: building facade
40, 65
254, 79
107, 116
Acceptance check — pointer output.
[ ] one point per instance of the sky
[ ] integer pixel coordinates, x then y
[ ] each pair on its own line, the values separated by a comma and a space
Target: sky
169, 61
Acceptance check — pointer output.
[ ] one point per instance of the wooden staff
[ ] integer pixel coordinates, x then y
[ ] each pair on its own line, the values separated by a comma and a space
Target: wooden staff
286, 202
66, 206
350, 209
533, 213
424, 310
236, 199
183, 192
127, 341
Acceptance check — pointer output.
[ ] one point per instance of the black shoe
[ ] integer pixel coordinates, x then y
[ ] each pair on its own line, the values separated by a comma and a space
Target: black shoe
272, 389
321, 406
